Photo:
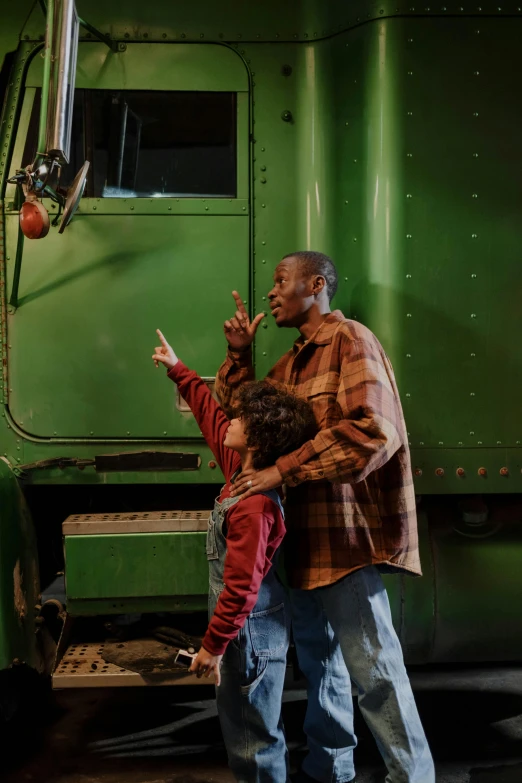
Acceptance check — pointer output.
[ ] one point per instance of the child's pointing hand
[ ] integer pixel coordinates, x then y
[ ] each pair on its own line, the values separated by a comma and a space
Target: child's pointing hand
164, 354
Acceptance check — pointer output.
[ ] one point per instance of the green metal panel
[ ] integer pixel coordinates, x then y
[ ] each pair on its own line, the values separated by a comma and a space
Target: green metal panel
19, 586
135, 565
207, 67
117, 279
124, 257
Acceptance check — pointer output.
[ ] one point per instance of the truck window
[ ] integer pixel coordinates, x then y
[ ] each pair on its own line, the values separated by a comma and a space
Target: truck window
150, 144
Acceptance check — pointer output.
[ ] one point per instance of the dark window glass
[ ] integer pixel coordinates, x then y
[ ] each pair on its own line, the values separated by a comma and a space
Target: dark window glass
150, 144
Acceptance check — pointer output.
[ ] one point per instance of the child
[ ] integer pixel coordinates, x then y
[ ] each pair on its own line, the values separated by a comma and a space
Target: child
249, 623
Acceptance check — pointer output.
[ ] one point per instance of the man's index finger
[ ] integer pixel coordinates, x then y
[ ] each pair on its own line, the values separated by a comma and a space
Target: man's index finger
239, 302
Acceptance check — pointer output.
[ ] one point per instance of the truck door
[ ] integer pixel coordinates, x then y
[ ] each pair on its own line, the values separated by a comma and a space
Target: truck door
161, 238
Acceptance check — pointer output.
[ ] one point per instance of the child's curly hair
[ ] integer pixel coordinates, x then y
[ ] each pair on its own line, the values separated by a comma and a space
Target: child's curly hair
276, 422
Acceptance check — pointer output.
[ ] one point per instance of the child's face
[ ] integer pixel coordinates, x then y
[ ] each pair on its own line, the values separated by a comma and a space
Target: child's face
235, 437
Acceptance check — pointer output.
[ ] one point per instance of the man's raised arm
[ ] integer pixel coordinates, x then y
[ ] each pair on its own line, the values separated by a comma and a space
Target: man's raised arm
237, 367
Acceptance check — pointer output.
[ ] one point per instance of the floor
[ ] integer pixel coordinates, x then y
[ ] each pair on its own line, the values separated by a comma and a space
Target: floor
473, 719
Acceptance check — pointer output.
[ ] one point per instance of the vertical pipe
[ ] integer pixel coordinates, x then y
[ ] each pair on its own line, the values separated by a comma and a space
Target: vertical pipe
42, 131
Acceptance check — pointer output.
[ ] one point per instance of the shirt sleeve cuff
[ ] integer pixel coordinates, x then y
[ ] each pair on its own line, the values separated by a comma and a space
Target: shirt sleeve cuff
241, 358
290, 470
212, 646
177, 372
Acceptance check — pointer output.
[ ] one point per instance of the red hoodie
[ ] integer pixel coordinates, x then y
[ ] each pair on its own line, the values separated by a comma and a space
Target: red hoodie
255, 526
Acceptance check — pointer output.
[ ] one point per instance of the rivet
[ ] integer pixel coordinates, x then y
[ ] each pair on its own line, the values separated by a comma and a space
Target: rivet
421, 443
263, 168
474, 236
475, 114
164, 35
460, 443
408, 236
473, 355
263, 261
346, 202
408, 277
475, 154
409, 155
408, 195
471, 433
473, 275
408, 394
461, 472
265, 325
264, 353
410, 40
346, 279
410, 73
479, 443
417, 472
472, 394
410, 114
439, 472
263, 180
441, 443
94, 207
408, 355
262, 149
504, 472
170, 208
355, 239
499, 443
482, 472
408, 315
355, 160
263, 205
476, 73
132, 207
474, 195
473, 315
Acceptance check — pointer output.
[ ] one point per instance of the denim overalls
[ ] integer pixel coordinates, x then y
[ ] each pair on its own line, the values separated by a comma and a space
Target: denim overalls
253, 668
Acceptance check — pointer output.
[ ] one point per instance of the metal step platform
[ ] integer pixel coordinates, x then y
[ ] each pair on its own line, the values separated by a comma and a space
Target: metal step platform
82, 666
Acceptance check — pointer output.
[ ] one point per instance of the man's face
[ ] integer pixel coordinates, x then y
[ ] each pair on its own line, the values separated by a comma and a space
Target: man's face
292, 294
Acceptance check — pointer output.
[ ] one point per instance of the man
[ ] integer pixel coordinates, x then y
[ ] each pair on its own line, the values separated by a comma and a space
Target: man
350, 515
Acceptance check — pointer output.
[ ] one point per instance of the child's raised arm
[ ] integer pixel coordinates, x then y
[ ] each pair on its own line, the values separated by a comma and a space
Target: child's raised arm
209, 415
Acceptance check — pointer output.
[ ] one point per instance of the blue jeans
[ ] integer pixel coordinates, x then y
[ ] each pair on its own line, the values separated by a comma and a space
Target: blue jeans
250, 695
253, 668
345, 631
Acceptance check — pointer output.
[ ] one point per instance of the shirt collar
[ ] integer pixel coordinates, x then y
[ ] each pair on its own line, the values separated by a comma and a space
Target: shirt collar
325, 332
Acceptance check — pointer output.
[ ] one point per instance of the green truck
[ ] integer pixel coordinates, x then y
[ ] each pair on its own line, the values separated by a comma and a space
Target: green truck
219, 137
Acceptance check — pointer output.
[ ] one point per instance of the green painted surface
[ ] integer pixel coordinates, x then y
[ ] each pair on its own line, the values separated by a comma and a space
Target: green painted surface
18, 574
135, 565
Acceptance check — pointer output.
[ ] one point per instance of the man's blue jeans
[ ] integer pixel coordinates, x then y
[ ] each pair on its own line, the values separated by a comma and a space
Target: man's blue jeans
345, 631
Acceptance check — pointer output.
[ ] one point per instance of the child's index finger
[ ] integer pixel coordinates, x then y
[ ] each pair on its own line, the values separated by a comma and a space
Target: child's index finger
239, 302
163, 341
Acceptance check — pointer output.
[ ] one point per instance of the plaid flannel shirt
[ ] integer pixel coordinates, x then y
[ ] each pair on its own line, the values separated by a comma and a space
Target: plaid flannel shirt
350, 496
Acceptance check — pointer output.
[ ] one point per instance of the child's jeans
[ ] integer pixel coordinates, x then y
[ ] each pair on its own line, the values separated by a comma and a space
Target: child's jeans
253, 669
